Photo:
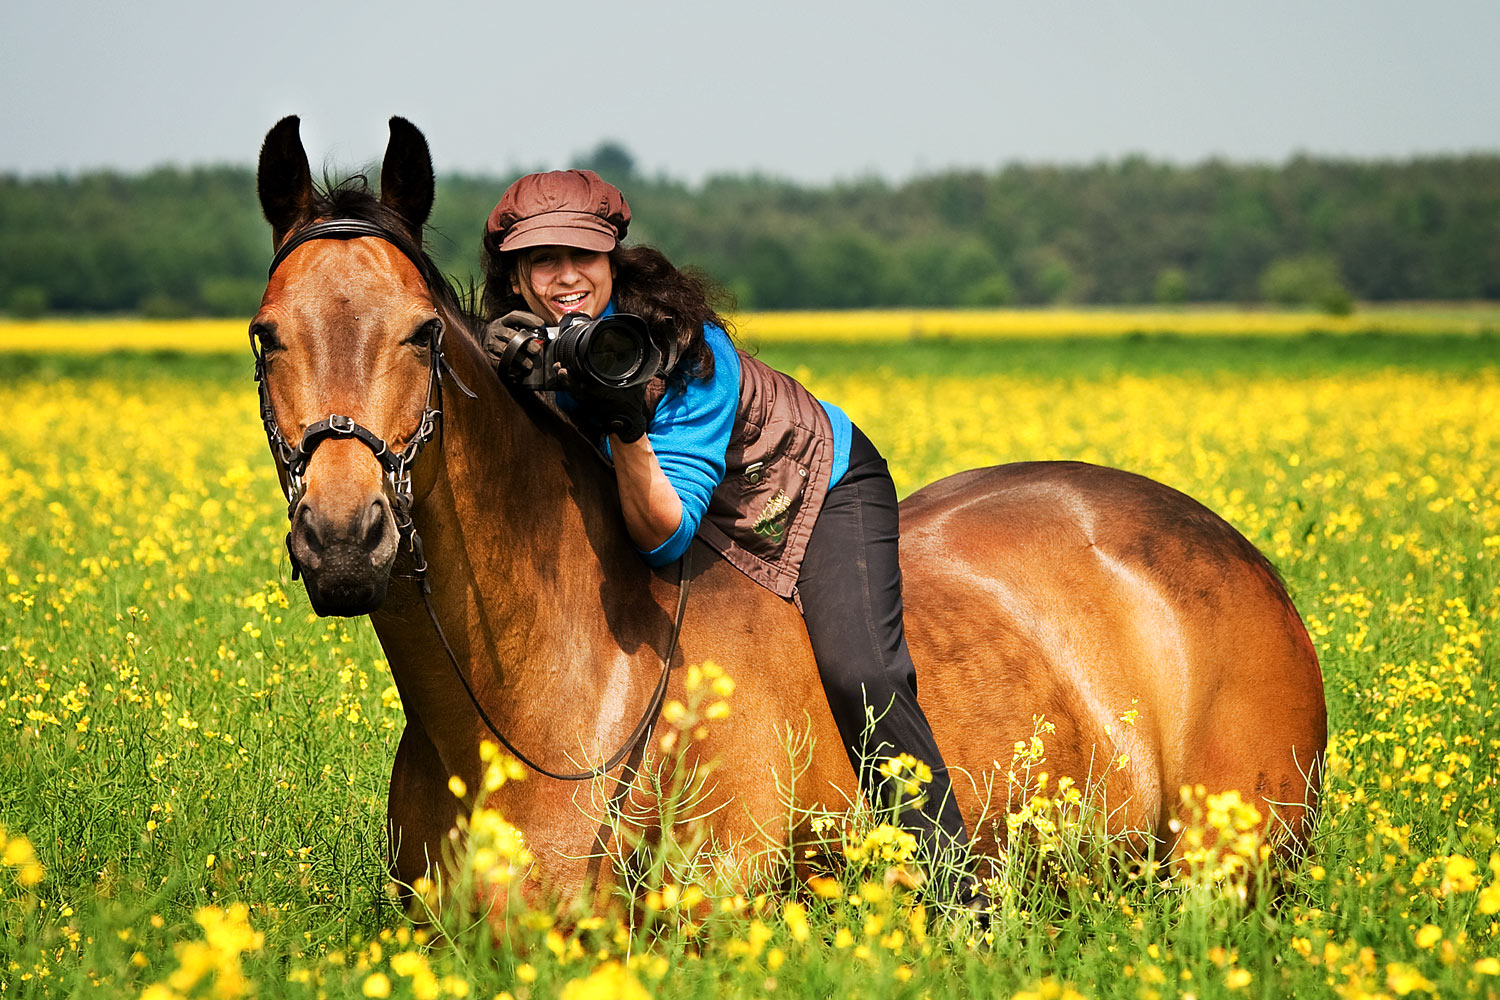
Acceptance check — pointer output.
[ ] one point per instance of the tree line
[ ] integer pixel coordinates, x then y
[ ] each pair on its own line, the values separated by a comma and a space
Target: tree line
1317, 232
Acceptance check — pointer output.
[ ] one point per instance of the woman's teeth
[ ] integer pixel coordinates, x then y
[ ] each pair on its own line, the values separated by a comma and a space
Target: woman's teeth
572, 299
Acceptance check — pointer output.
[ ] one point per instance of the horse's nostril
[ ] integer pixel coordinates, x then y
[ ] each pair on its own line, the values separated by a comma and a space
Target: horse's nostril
312, 529
374, 524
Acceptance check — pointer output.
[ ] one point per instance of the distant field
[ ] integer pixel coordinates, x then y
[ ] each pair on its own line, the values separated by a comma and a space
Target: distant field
894, 325
193, 767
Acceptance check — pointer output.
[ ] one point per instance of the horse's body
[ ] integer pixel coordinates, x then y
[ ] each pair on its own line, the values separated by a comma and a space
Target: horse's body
1057, 589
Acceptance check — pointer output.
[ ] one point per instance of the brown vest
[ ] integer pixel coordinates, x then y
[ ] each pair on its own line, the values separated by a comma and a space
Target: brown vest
777, 467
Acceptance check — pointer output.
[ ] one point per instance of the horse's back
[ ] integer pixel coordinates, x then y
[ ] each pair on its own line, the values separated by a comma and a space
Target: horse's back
1156, 639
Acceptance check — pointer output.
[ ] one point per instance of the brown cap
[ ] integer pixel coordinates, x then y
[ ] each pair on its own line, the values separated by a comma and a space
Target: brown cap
571, 208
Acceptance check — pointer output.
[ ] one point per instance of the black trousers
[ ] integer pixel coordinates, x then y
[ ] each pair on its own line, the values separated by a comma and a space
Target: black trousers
850, 587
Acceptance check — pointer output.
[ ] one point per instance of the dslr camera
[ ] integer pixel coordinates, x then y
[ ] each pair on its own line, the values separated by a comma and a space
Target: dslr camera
582, 353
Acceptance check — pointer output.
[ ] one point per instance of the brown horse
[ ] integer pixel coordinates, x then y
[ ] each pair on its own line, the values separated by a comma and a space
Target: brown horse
1056, 589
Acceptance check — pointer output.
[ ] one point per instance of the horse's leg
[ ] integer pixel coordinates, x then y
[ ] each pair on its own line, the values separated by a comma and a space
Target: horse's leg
1264, 730
420, 810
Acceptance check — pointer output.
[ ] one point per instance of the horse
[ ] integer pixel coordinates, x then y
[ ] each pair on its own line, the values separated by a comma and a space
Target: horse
482, 535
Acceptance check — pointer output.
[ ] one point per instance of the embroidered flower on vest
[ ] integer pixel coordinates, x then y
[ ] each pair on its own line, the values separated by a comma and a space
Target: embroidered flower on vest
772, 520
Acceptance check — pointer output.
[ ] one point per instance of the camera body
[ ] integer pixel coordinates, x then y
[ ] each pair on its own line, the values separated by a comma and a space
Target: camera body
582, 353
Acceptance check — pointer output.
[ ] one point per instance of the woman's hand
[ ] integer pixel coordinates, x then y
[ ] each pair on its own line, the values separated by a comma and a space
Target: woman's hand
621, 412
506, 352
653, 510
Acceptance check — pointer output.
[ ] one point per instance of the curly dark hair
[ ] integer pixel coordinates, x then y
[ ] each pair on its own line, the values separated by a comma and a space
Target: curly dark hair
676, 303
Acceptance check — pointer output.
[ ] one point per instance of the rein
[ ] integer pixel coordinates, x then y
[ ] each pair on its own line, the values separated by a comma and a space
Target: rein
397, 466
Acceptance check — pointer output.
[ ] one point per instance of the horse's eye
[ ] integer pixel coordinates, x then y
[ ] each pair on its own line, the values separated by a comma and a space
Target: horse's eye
424, 335
265, 335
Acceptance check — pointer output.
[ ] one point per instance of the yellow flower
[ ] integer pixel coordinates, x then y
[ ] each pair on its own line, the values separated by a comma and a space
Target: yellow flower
1429, 936
19, 852
457, 787
884, 843
795, 916
824, 887
1458, 875
526, 972
1488, 966
1404, 979
376, 984
1237, 979
611, 981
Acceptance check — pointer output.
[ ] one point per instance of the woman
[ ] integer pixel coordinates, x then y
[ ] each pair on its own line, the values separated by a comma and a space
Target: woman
783, 486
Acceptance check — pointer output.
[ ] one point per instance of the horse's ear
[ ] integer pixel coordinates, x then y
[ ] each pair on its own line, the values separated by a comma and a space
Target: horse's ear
406, 176
283, 178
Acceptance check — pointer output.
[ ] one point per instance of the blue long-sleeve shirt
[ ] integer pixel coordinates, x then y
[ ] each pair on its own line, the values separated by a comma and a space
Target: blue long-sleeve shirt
690, 434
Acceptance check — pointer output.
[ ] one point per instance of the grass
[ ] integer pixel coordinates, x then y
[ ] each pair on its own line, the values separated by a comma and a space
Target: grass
193, 769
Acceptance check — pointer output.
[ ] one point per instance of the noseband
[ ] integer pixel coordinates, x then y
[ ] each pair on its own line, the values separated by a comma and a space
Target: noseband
397, 466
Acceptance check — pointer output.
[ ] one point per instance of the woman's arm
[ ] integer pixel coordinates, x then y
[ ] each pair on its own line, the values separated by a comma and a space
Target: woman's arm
653, 510
668, 476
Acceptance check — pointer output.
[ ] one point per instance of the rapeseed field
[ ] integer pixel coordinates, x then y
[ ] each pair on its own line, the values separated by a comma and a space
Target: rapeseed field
846, 327
193, 767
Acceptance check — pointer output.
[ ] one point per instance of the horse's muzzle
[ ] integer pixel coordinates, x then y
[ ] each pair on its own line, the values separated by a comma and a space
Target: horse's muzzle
345, 562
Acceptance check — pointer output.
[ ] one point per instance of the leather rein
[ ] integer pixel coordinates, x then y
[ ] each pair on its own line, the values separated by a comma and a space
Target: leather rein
397, 466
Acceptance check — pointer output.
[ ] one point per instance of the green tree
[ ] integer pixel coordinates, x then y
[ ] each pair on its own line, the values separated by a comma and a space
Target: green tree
1171, 286
1307, 280
610, 160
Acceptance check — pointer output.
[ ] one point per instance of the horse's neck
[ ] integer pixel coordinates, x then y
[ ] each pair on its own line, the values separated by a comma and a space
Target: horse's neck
535, 511
536, 587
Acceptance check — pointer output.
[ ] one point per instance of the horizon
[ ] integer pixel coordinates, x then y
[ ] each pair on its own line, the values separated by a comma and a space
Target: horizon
372, 165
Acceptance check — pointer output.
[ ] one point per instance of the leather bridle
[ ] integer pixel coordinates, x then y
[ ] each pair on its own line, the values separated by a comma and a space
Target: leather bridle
397, 466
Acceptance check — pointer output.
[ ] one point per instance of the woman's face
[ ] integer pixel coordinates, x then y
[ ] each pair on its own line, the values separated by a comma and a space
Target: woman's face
555, 280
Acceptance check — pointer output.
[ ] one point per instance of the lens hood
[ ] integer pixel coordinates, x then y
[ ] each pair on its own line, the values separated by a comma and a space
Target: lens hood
613, 352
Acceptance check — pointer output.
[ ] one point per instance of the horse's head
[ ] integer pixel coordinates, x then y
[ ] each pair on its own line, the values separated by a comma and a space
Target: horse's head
349, 332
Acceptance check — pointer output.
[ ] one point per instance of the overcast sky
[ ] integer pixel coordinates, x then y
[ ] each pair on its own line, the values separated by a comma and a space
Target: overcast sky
802, 89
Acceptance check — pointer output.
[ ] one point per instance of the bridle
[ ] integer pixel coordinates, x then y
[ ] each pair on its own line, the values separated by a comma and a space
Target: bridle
397, 466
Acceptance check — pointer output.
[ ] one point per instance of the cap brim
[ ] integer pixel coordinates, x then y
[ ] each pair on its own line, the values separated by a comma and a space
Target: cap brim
544, 231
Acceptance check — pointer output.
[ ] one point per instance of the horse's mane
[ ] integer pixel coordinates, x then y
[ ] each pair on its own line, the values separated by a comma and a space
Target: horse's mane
351, 198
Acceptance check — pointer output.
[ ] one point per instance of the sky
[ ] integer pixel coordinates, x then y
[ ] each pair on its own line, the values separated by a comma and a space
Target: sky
809, 91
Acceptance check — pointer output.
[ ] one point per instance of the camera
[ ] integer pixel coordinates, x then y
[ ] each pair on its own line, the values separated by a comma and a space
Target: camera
612, 352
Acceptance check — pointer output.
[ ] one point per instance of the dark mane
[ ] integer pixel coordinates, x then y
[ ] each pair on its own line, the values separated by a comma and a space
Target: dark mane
351, 198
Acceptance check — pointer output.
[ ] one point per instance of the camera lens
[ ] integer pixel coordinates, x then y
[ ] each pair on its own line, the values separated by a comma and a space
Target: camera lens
613, 352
